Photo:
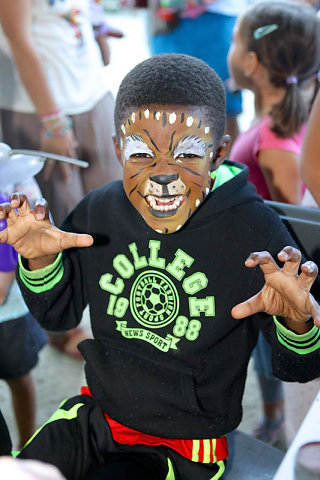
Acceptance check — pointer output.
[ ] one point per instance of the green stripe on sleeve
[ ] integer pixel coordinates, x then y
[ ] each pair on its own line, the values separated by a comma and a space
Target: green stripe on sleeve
43, 279
299, 343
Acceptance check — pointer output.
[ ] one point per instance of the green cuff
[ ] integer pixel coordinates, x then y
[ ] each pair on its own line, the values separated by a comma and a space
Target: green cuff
43, 279
299, 343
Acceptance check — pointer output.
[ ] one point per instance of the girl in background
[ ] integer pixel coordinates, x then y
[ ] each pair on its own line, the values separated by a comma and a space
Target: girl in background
276, 54
21, 338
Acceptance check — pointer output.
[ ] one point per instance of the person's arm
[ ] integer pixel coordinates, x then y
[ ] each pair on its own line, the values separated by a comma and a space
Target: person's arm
281, 172
5, 282
15, 18
310, 153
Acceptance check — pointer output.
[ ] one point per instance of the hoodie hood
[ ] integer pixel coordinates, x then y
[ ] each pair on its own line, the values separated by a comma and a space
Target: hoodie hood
230, 188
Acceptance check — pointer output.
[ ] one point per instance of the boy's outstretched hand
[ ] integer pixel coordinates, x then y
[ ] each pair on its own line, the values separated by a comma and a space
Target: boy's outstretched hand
285, 293
33, 235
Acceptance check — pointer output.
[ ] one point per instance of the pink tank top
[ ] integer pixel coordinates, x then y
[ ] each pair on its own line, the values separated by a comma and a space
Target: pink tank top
259, 137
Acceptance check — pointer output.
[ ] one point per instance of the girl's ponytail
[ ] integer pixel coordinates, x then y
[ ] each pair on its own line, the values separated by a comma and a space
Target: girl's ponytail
285, 36
288, 116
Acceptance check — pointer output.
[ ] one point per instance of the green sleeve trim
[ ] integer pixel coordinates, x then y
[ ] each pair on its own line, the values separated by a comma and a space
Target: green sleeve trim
43, 279
302, 344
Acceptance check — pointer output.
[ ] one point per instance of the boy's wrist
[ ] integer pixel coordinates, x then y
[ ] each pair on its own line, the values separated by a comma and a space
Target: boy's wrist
41, 262
297, 327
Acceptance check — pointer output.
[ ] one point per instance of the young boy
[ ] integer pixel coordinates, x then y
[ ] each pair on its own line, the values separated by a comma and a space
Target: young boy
163, 277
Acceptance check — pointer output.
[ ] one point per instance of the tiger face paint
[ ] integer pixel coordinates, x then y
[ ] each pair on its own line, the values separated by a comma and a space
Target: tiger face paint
167, 157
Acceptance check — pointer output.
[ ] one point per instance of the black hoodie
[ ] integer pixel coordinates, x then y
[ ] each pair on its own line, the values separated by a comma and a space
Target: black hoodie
167, 357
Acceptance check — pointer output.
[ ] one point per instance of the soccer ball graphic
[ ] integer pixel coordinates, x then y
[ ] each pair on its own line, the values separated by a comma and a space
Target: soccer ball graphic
154, 299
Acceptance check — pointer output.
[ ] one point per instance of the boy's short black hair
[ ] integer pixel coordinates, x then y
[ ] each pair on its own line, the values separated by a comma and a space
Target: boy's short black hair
173, 79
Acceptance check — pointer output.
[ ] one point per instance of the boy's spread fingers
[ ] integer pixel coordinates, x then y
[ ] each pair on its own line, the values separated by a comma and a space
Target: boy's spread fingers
314, 310
264, 260
72, 240
41, 210
4, 210
19, 200
4, 236
247, 308
309, 272
12, 216
291, 258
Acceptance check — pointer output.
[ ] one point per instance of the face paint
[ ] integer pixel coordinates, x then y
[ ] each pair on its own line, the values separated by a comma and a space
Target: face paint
167, 157
135, 145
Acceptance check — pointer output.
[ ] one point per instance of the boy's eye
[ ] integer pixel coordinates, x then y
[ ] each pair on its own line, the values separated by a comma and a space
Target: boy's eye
190, 147
140, 155
188, 155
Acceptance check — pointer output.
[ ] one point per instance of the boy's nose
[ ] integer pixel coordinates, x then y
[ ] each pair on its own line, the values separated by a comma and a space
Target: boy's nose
164, 179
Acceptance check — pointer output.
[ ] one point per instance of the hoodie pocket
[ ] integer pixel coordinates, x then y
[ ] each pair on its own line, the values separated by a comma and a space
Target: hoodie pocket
139, 389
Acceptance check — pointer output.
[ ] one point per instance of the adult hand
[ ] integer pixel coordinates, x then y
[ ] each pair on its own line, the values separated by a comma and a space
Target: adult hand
65, 145
285, 293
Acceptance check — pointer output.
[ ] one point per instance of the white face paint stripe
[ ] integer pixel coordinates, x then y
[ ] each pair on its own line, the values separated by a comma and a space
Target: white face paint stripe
197, 202
190, 145
189, 121
172, 118
123, 128
134, 145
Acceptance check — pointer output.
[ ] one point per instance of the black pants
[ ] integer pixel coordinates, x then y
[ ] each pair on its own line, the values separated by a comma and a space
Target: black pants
5, 440
129, 466
78, 441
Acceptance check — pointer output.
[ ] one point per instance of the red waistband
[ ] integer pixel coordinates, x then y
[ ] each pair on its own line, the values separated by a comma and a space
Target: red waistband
200, 450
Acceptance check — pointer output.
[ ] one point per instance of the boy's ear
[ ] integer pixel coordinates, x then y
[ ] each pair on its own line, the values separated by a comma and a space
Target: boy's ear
117, 148
222, 152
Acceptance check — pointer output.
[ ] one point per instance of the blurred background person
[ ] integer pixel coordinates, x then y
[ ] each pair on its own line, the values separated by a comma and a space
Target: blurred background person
21, 338
268, 57
202, 29
54, 96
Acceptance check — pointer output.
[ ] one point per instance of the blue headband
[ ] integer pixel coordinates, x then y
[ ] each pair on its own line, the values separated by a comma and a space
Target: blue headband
263, 31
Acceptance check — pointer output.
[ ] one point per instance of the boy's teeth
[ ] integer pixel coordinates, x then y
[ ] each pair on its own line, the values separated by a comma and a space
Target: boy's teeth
164, 204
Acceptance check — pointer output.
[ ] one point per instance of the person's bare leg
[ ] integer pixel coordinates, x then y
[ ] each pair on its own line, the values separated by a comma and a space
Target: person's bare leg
274, 410
24, 406
271, 426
